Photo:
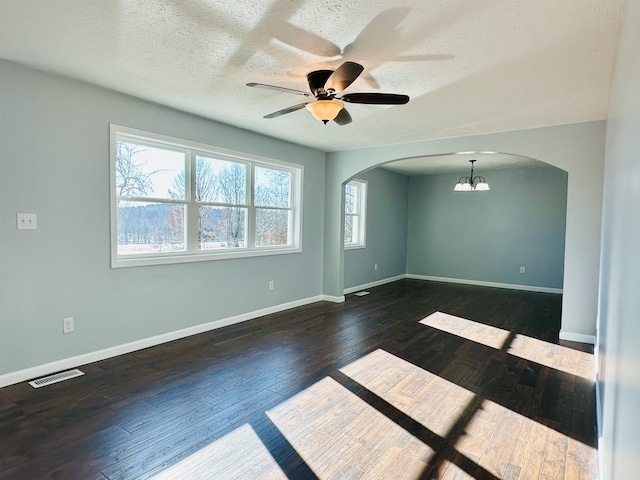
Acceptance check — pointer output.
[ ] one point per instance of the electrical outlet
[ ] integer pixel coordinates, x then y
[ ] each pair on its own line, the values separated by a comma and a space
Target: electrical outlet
522, 269
375, 266
271, 285
68, 325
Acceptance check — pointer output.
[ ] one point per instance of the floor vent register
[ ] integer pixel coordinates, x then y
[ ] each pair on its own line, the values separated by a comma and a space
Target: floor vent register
55, 378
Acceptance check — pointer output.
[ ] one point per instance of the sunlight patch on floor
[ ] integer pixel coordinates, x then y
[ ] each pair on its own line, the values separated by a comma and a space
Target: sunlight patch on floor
427, 398
341, 436
503, 442
239, 454
548, 354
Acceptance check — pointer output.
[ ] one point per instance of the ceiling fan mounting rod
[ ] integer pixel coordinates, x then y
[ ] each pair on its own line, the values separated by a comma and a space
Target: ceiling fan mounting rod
317, 80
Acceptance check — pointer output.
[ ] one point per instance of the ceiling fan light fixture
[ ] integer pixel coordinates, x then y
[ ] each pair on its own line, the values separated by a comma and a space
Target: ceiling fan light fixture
325, 110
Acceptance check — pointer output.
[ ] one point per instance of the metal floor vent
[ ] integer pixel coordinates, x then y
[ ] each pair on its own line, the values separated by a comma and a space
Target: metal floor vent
362, 293
55, 378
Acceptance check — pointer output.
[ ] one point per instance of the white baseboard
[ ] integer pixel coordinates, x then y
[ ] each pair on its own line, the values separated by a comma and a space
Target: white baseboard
510, 286
79, 360
331, 298
577, 337
374, 284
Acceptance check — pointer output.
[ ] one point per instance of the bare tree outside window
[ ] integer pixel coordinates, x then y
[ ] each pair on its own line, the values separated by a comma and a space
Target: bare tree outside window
145, 223
272, 193
131, 181
221, 191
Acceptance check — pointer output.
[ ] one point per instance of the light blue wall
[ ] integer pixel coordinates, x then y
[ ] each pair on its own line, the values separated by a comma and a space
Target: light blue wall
619, 308
387, 194
54, 162
488, 236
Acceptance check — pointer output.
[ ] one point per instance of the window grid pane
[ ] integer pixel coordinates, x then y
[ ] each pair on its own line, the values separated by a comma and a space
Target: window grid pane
150, 227
273, 227
222, 227
149, 172
350, 198
348, 229
220, 181
272, 188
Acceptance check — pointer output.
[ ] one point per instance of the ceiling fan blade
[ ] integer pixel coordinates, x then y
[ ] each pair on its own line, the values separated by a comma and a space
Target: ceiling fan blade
375, 98
284, 111
344, 76
343, 117
280, 89
317, 79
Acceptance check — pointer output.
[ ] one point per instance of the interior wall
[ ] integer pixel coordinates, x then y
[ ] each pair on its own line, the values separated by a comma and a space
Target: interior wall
488, 236
619, 326
386, 237
577, 148
54, 162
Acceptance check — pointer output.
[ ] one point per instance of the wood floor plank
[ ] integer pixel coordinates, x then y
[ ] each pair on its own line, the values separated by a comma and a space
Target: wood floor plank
376, 448
379, 468
404, 467
500, 447
554, 464
478, 432
581, 461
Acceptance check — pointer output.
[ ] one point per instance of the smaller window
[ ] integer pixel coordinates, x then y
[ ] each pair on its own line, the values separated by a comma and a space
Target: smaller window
355, 208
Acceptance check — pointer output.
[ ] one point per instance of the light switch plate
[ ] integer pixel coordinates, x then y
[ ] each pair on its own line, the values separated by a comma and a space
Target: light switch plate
27, 221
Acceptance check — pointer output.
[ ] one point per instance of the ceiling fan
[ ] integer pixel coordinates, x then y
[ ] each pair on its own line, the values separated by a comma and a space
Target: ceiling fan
324, 86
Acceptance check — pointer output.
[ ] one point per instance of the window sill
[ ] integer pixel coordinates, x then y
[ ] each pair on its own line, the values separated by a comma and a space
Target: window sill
139, 261
354, 247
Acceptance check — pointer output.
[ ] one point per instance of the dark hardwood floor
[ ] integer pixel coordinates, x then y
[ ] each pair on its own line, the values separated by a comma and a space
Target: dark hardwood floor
381, 386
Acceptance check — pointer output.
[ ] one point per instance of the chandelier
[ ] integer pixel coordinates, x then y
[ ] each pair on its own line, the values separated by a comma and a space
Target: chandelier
471, 183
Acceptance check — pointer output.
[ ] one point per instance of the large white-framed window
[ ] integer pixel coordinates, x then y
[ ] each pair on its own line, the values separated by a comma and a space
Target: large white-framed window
176, 201
355, 214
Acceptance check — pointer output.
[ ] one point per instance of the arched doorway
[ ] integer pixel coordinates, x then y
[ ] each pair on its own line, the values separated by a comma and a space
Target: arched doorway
577, 148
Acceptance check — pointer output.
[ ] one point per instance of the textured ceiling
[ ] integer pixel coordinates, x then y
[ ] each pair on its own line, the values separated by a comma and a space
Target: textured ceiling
469, 66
